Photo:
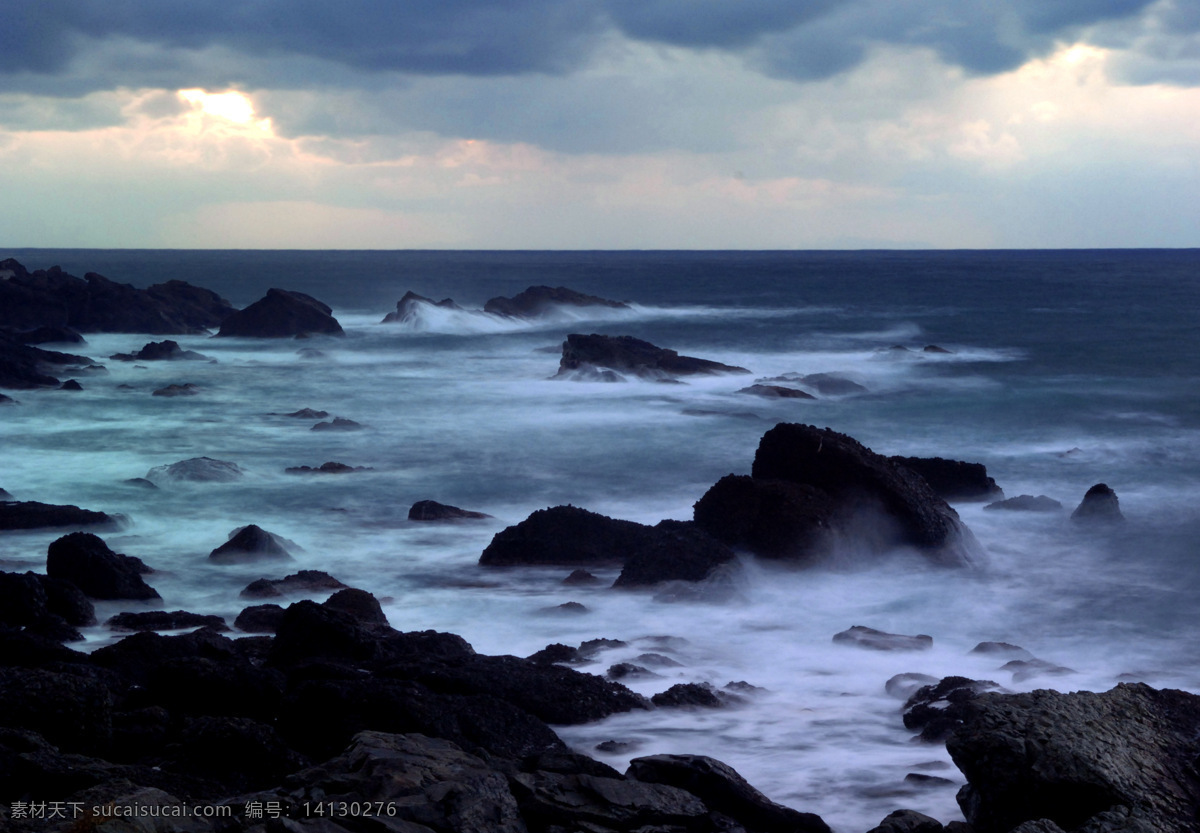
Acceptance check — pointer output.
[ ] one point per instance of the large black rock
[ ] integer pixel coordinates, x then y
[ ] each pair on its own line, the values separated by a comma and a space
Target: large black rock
24, 367
408, 308
282, 314
1099, 505
95, 304
586, 354
86, 561
250, 543
1122, 761
953, 479
847, 494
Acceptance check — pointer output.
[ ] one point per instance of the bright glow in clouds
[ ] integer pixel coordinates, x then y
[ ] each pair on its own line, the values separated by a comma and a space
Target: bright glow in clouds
902, 151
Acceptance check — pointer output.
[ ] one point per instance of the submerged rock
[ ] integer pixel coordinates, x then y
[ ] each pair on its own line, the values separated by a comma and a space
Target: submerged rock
431, 510
197, 470
155, 351
162, 620
282, 314
776, 392
1122, 760
338, 424
326, 468
305, 581
250, 543
591, 353
538, 300
1099, 505
86, 561
864, 637
1027, 503
308, 413
70, 384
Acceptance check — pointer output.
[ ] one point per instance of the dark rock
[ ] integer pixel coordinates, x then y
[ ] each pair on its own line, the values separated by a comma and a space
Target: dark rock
903, 686
25, 367
281, 314
50, 334
162, 620
8, 400
569, 536
953, 479
67, 709
360, 604
771, 518
24, 649
673, 551
156, 351
564, 536
538, 300
86, 561
1002, 649
908, 821
863, 637
327, 468
623, 670
16, 514
5, 495
1123, 760
571, 608
690, 695
657, 660
625, 353
724, 791
22, 599
1099, 505
429, 510
776, 392
933, 348
617, 747
141, 482
66, 600
197, 470
938, 709
338, 424
242, 753
250, 543
70, 384
580, 578
1028, 669
922, 780
556, 652
308, 413
408, 308
95, 304
187, 389
259, 619
305, 581
830, 384
1027, 503
904, 509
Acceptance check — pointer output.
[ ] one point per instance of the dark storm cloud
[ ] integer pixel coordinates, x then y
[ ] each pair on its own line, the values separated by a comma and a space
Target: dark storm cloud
101, 44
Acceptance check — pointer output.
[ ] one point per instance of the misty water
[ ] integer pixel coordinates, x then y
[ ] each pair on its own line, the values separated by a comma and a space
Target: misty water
1065, 369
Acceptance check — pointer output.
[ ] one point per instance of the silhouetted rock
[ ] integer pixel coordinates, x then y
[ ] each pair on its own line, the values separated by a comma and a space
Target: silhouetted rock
1099, 505
864, 637
327, 468
24, 367
408, 308
1001, 649
86, 561
263, 618
953, 479
360, 604
771, 518
689, 695
580, 578
1027, 503
40, 604
673, 551
70, 384
250, 543
308, 413
187, 389
724, 791
305, 581
28, 514
589, 353
49, 334
431, 510
156, 351
281, 314
939, 708
776, 392
908, 821
538, 300
197, 470
96, 304
162, 620
338, 424
1122, 760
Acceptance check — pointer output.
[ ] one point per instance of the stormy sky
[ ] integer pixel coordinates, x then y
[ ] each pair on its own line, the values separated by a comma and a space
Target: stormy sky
600, 123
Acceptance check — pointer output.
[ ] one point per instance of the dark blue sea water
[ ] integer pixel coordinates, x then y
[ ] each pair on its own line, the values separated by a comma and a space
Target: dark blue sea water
1066, 369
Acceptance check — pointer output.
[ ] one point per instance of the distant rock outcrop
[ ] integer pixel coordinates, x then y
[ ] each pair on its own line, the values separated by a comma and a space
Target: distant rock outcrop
537, 300
1027, 503
431, 510
1099, 505
95, 304
156, 351
282, 314
250, 543
776, 392
197, 470
584, 355
23, 367
408, 308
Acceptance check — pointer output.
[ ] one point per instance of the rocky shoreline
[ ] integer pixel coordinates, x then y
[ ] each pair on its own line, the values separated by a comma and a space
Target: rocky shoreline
320, 716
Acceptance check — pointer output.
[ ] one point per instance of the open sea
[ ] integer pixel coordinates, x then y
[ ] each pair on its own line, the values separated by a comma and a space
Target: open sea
1066, 369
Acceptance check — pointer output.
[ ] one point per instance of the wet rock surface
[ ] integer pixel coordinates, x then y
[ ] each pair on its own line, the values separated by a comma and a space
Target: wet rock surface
583, 353
281, 314
431, 510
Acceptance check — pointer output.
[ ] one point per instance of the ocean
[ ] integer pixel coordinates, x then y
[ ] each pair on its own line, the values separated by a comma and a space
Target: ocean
1064, 369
